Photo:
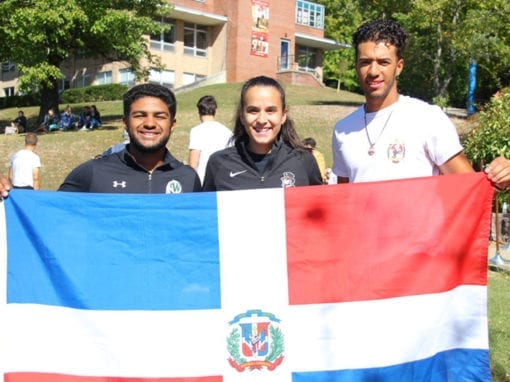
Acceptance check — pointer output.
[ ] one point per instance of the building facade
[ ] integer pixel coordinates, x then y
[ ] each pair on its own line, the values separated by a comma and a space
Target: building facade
217, 41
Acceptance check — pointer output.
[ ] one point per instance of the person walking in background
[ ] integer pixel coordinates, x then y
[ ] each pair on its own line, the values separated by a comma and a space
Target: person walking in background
311, 144
25, 165
207, 137
267, 152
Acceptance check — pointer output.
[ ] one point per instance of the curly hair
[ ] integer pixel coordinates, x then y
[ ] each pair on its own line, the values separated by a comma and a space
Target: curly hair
287, 133
382, 30
150, 90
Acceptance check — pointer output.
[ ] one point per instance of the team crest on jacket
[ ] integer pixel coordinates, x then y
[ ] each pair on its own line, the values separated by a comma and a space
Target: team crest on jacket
396, 151
173, 187
288, 179
255, 341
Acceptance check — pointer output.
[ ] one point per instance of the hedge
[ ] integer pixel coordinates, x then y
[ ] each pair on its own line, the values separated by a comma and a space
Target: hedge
97, 93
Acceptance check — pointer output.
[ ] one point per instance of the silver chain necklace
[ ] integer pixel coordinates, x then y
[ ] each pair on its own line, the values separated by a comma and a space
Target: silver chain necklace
371, 149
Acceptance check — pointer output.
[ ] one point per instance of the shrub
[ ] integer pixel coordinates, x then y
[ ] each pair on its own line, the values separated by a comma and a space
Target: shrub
490, 136
19, 101
98, 93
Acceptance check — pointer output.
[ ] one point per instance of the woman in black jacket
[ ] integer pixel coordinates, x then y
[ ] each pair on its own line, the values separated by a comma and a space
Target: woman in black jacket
267, 152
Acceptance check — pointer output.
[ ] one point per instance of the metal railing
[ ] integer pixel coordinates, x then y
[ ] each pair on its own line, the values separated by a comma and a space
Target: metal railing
301, 64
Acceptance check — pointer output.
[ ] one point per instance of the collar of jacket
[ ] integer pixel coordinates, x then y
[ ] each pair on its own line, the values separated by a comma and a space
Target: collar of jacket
168, 162
242, 149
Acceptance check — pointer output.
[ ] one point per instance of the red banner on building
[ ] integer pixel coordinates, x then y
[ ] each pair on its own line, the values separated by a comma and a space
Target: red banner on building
260, 28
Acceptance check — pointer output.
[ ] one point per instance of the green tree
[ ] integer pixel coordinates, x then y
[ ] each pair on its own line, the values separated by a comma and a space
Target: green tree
446, 36
341, 20
435, 55
490, 136
489, 45
40, 35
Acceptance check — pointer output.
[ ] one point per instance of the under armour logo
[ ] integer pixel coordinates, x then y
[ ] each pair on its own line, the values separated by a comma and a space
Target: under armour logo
119, 184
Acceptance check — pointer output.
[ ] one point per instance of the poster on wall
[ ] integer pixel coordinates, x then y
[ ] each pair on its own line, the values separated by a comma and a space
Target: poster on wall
260, 28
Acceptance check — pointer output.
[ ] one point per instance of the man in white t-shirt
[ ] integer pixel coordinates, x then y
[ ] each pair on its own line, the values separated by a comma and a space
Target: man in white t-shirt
207, 137
391, 136
24, 170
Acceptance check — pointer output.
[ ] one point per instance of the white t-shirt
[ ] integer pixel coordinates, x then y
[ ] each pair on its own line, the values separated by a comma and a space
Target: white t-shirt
22, 165
418, 137
208, 137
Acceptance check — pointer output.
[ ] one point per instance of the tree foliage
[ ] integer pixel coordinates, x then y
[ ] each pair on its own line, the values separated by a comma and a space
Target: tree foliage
446, 35
40, 35
490, 137
342, 18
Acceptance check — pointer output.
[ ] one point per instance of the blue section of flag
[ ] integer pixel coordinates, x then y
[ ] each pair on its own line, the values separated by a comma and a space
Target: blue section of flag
106, 253
460, 365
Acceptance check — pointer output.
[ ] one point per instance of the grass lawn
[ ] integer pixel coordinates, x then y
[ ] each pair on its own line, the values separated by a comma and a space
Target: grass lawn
314, 110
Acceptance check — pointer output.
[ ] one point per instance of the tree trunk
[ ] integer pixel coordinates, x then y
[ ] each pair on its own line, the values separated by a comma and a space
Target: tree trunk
49, 100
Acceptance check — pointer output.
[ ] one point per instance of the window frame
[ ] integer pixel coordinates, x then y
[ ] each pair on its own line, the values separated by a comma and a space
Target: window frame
160, 79
310, 14
309, 54
82, 81
131, 78
102, 78
167, 39
196, 30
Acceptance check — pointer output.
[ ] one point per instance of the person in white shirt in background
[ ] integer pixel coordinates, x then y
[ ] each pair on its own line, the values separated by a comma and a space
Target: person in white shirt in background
24, 170
207, 137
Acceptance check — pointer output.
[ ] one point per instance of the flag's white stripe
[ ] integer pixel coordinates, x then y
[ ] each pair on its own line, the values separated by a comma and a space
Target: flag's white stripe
253, 264
114, 343
356, 335
253, 260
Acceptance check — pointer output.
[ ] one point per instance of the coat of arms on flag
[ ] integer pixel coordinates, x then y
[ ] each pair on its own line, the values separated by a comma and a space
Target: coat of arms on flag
256, 341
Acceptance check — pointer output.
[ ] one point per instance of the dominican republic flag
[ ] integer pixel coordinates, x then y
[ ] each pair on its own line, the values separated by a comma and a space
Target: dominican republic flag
382, 281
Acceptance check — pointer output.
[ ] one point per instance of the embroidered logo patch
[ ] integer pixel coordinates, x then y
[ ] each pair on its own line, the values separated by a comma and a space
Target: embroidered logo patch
255, 341
396, 151
288, 179
117, 183
173, 187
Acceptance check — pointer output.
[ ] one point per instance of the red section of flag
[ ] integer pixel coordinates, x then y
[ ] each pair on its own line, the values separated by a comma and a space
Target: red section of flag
377, 240
51, 377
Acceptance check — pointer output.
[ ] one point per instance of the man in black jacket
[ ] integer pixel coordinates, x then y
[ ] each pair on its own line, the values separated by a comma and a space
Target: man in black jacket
145, 165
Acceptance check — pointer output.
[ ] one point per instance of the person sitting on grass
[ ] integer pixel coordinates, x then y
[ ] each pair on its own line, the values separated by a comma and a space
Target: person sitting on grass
87, 120
49, 124
68, 119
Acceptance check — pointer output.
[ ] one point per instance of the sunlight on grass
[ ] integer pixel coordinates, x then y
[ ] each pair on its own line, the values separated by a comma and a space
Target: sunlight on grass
499, 325
314, 110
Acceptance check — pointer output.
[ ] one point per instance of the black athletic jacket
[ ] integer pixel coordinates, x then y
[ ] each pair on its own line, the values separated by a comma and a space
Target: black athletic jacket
233, 169
119, 173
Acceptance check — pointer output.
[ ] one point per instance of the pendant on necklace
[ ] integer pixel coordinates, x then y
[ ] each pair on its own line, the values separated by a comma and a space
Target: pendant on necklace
371, 150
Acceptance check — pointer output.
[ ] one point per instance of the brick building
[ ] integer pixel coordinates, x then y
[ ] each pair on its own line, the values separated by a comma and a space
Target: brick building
216, 41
